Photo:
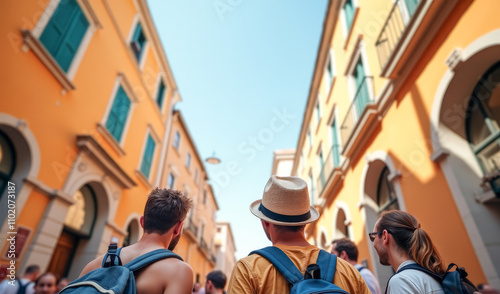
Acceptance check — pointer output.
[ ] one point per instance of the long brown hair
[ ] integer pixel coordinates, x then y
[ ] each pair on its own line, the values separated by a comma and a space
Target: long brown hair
408, 235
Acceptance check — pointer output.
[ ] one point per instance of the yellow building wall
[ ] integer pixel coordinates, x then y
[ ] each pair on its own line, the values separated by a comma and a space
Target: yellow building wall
403, 133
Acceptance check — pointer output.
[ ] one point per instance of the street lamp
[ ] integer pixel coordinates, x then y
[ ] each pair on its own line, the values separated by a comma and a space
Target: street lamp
213, 159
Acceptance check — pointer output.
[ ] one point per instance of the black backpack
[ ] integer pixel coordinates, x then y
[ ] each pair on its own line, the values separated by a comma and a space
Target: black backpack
453, 282
22, 288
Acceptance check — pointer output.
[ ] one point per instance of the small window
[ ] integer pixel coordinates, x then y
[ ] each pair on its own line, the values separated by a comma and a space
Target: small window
335, 144
147, 158
330, 69
196, 175
118, 115
64, 32
161, 94
205, 197
171, 181
361, 96
309, 138
483, 125
349, 14
188, 160
386, 197
138, 41
177, 140
318, 110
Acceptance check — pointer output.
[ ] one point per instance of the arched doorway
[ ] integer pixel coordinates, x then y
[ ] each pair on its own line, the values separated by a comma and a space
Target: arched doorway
7, 161
464, 129
78, 225
381, 191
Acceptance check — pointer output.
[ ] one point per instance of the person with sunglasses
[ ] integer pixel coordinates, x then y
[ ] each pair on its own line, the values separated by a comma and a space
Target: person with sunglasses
399, 241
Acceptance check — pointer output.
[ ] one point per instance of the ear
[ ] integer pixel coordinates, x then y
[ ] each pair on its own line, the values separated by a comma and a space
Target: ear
385, 237
178, 227
141, 221
343, 255
264, 223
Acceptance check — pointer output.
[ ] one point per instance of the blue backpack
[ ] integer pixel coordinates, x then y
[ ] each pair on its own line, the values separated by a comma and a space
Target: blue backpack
453, 282
318, 277
113, 277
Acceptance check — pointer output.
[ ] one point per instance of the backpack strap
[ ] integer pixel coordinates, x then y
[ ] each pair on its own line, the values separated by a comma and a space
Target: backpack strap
112, 257
149, 258
282, 262
416, 266
327, 263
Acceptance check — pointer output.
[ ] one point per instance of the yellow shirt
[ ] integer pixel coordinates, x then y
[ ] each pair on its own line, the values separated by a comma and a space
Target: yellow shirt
255, 274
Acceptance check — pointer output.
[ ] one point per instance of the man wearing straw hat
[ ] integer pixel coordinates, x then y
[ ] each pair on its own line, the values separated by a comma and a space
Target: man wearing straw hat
284, 211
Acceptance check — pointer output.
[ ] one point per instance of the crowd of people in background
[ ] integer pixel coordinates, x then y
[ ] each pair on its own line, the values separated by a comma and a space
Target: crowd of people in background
284, 210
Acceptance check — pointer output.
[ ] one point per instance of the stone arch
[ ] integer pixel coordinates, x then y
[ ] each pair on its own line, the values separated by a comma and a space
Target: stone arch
374, 165
342, 217
136, 231
27, 166
451, 149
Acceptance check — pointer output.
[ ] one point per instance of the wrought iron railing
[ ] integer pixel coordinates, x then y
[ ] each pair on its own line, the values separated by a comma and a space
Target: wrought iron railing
392, 31
192, 227
358, 105
203, 244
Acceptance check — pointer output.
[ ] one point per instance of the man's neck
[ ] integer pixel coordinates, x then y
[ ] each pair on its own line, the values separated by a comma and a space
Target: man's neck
290, 239
397, 259
154, 240
351, 262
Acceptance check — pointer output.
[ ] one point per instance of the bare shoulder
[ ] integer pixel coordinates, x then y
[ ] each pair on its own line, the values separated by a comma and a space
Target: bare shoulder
94, 264
170, 275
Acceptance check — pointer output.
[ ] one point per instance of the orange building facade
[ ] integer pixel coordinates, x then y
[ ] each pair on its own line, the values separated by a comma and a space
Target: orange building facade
86, 126
403, 114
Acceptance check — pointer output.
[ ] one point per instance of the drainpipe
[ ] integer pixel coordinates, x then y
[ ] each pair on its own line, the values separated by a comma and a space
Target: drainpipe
166, 139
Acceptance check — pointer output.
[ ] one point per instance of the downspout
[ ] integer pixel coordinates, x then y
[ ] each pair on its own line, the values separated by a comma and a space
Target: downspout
166, 139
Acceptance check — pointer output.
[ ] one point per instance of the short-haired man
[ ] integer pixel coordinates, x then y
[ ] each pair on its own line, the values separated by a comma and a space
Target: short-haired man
216, 281
30, 275
284, 211
348, 251
163, 218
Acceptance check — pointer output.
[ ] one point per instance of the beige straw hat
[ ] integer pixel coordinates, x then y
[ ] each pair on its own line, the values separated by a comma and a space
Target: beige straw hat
285, 202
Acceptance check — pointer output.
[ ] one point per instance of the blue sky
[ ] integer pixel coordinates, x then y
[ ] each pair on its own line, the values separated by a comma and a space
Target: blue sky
243, 69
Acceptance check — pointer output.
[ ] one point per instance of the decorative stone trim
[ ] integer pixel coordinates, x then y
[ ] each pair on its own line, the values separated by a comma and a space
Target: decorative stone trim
88, 144
46, 58
101, 129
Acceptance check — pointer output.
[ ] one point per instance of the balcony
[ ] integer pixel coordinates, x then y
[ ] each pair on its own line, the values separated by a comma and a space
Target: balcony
394, 27
332, 161
192, 228
204, 245
359, 118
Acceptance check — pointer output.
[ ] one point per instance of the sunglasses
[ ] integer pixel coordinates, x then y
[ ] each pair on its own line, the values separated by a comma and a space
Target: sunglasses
372, 235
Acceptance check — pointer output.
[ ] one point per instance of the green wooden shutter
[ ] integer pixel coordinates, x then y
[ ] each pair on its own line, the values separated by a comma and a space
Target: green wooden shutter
147, 158
64, 32
161, 92
411, 6
335, 145
140, 39
349, 14
362, 96
118, 114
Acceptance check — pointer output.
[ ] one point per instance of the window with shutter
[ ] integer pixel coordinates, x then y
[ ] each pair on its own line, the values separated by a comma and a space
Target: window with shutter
64, 32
